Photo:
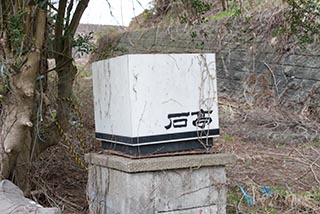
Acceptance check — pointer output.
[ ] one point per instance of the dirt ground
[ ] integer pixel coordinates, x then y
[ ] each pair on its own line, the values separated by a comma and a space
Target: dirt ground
273, 152
289, 164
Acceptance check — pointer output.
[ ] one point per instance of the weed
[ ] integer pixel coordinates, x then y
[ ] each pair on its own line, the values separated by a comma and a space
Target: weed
83, 44
271, 210
281, 190
303, 19
317, 143
193, 34
2, 88
85, 74
314, 195
225, 14
233, 198
200, 6
228, 138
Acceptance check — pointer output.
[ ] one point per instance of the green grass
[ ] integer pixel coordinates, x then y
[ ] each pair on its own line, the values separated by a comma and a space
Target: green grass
314, 195
85, 74
233, 198
228, 138
225, 14
271, 210
317, 143
281, 199
281, 190
2, 88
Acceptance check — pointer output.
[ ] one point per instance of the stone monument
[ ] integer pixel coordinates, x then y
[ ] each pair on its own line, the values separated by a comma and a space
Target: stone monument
156, 116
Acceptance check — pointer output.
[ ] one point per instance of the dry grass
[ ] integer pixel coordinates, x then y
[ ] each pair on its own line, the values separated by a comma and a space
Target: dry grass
289, 163
254, 6
57, 178
172, 12
107, 44
274, 148
290, 169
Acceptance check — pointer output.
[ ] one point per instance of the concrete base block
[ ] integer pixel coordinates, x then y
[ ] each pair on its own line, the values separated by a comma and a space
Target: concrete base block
169, 185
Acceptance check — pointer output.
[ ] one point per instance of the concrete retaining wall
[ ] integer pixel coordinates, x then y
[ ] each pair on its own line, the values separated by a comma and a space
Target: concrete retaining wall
251, 68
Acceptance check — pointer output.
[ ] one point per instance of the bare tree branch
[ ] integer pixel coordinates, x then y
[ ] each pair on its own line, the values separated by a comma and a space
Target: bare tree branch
82, 5
60, 24
70, 7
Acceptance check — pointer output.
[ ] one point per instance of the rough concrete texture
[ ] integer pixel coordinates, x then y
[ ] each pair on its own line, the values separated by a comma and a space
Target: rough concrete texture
195, 189
158, 163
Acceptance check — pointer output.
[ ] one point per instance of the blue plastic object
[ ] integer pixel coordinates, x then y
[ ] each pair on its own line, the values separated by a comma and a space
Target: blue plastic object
265, 190
248, 198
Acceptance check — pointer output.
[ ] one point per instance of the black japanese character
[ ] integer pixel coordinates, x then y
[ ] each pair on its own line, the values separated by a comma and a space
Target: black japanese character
203, 118
177, 120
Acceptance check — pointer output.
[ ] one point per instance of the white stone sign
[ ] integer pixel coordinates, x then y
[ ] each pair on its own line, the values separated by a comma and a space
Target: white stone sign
148, 99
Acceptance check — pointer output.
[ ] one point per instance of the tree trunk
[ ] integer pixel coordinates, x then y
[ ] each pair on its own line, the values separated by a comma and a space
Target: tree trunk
17, 112
18, 144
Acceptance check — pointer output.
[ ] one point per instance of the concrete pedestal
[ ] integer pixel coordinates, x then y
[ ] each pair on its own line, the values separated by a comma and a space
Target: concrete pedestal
171, 185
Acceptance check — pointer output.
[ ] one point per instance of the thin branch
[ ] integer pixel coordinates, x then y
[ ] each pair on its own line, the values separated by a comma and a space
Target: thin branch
60, 25
52, 6
82, 5
70, 6
39, 36
314, 174
274, 79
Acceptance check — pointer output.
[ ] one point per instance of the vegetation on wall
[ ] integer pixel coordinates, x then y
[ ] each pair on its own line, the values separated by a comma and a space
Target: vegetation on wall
304, 19
297, 18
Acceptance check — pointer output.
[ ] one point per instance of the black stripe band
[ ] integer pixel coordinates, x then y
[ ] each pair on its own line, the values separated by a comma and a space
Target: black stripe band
157, 138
